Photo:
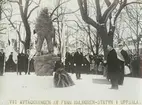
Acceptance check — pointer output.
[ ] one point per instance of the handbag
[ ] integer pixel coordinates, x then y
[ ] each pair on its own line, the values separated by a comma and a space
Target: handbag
127, 70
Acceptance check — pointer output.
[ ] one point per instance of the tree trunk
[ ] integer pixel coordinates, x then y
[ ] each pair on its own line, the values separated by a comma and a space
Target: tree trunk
97, 44
106, 39
0, 11
28, 34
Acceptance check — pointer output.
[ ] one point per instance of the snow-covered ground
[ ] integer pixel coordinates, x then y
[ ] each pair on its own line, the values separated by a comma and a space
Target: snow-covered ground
29, 87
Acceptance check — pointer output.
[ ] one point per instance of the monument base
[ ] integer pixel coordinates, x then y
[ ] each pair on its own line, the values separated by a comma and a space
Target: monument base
44, 64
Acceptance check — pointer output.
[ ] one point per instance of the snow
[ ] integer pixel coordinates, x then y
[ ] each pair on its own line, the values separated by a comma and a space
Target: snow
32, 87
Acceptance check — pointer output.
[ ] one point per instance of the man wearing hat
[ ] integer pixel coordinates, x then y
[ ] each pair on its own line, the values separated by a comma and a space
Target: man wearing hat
78, 62
113, 67
124, 59
2, 56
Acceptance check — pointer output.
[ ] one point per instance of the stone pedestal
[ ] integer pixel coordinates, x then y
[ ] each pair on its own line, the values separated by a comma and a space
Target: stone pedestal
44, 64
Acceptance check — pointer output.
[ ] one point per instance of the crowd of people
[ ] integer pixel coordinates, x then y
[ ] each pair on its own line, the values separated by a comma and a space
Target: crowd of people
88, 63
23, 64
113, 67
76, 62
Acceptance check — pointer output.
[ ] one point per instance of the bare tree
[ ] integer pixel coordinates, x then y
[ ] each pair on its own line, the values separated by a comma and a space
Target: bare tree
58, 15
93, 42
2, 28
106, 34
14, 24
135, 25
25, 14
2, 2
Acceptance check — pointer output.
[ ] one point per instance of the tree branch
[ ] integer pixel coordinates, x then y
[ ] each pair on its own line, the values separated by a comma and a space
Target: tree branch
32, 11
31, 1
58, 7
99, 14
64, 14
108, 3
14, 28
122, 6
2, 29
85, 16
109, 10
133, 3
14, 2
21, 8
26, 7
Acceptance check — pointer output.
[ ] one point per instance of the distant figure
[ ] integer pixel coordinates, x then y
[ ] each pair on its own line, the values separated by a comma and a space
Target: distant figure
61, 77
10, 65
72, 63
2, 57
67, 61
113, 67
87, 62
136, 66
22, 63
78, 63
19, 63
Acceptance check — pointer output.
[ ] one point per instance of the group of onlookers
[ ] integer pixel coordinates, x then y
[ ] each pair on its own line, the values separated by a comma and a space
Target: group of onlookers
23, 64
78, 63
113, 67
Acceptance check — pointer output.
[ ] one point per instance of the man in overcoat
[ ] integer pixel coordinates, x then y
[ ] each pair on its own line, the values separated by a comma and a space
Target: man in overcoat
78, 63
2, 57
113, 67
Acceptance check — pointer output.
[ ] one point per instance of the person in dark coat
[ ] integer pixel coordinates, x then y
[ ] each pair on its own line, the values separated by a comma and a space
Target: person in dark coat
78, 63
68, 61
135, 66
87, 63
113, 67
25, 63
72, 63
19, 57
10, 64
22, 63
2, 57
123, 61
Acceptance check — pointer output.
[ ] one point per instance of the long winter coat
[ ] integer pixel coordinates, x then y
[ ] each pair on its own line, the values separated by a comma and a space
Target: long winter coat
113, 65
10, 65
78, 60
2, 55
